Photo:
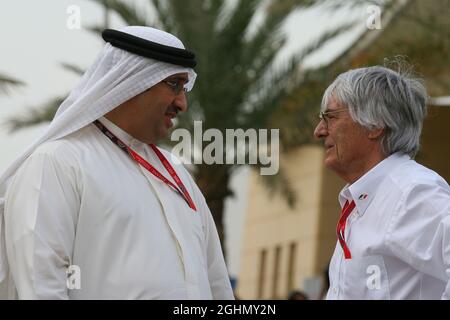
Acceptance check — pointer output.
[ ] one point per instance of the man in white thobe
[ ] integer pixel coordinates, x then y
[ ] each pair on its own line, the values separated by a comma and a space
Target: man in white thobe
85, 220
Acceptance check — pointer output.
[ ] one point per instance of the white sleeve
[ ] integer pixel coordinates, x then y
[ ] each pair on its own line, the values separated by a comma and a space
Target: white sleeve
446, 254
41, 210
219, 279
419, 232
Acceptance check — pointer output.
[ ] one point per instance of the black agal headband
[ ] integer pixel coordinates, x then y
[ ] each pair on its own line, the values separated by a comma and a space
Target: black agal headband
149, 49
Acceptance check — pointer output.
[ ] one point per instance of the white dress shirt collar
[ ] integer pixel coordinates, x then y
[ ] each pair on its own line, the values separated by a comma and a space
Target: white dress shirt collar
363, 190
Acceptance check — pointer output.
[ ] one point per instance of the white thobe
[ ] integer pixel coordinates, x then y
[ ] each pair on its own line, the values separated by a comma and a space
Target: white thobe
398, 235
81, 201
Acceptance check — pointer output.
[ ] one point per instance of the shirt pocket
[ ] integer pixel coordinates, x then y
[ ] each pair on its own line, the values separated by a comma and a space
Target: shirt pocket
365, 278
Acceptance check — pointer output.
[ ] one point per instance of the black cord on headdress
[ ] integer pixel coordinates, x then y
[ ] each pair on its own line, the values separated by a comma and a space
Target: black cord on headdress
149, 49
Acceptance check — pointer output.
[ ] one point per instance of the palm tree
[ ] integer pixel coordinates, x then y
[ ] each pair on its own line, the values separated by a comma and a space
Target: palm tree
238, 85
6, 83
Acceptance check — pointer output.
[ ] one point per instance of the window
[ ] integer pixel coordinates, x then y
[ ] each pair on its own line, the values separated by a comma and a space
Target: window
276, 272
262, 272
291, 266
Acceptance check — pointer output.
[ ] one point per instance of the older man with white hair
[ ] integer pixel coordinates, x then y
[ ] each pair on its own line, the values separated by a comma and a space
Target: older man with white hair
394, 230
94, 200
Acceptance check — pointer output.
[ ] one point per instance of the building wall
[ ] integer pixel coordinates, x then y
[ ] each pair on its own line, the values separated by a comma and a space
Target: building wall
286, 238
329, 212
435, 152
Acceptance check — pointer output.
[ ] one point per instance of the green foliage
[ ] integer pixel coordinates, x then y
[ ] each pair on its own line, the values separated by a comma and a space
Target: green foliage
44, 113
7, 83
35, 115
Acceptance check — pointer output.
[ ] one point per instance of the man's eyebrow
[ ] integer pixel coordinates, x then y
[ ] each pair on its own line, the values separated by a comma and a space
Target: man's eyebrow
332, 110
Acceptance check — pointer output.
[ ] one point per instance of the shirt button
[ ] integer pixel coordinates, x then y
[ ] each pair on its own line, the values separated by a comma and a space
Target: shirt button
334, 290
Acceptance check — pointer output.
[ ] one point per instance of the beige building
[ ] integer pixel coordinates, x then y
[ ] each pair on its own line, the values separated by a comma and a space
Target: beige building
289, 248
283, 247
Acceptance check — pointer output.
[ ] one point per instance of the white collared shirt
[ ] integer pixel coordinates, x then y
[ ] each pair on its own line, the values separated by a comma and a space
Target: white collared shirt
398, 235
82, 201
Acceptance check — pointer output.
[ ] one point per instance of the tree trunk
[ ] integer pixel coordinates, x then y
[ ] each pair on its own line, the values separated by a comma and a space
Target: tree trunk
213, 181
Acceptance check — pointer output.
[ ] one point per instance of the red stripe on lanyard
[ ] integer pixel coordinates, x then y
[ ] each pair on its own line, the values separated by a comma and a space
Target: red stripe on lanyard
340, 229
181, 189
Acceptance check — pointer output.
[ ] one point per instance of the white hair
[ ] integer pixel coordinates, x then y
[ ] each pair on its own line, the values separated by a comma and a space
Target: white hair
380, 98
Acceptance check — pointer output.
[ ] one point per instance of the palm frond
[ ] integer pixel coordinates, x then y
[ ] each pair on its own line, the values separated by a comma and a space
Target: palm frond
73, 68
236, 26
7, 83
95, 29
333, 5
35, 115
128, 12
164, 16
323, 39
269, 93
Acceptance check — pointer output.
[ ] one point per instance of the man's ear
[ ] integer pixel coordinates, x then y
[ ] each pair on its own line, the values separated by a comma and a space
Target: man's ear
375, 134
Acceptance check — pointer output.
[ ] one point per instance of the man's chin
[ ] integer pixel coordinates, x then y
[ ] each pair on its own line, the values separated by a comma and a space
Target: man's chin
330, 162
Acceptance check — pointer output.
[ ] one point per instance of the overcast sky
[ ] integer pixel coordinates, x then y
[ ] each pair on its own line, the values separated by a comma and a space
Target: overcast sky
35, 40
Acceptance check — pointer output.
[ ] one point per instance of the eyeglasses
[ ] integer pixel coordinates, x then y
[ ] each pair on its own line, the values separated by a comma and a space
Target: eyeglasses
325, 116
176, 86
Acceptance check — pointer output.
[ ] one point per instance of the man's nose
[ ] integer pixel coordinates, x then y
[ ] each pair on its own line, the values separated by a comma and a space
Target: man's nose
321, 130
181, 101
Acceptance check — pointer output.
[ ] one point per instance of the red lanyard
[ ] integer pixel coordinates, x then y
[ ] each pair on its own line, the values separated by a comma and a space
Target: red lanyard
181, 189
340, 229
